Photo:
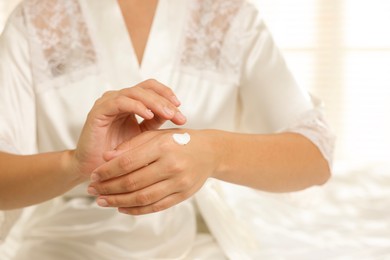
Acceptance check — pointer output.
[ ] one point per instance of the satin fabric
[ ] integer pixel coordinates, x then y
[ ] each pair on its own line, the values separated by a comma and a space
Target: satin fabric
46, 115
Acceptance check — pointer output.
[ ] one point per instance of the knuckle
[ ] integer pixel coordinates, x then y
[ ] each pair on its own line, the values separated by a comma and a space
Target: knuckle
129, 89
132, 92
138, 106
108, 93
136, 211
98, 102
135, 89
159, 206
102, 189
119, 100
151, 82
143, 199
165, 144
168, 91
130, 184
113, 201
177, 167
125, 162
106, 174
184, 195
184, 183
125, 211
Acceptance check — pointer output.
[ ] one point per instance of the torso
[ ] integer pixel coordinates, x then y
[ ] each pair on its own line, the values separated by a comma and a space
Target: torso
209, 99
138, 16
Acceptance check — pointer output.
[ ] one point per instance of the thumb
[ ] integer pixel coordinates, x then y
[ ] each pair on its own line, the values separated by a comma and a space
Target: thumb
130, 144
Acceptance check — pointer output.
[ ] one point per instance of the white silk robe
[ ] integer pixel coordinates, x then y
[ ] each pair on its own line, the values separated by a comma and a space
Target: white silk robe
57, 57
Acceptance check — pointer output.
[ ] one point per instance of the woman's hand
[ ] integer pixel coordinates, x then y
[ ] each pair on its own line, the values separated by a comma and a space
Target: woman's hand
112, 121
152, 172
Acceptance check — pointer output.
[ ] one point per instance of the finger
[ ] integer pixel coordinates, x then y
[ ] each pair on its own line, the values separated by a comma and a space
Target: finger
135, 181
129, 161
156, 103
130, 144
116, 105
152, 124
161, 89
160, 205
141, 101
143, 197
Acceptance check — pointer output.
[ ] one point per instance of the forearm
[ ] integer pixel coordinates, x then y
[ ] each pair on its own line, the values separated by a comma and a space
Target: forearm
31, 179
276, 163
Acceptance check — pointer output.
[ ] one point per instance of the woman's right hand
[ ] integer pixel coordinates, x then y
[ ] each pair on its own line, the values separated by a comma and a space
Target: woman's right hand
112, 121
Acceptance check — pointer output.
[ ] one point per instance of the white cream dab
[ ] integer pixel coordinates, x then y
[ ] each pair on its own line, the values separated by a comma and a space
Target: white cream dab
182, 139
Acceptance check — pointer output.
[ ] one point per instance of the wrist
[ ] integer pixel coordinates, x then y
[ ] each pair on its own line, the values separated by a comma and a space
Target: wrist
70, 168
219, 142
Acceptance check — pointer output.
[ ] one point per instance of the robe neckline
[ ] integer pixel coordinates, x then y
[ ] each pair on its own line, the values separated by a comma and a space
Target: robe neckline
162, 50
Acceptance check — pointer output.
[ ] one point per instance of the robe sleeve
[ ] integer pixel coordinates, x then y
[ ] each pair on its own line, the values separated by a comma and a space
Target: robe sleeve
271, 100
17, 102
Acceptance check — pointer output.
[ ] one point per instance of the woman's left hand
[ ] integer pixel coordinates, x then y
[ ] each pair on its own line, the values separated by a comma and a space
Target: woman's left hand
152, 172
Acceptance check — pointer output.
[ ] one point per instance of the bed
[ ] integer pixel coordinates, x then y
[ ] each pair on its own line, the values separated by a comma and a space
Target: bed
347, 218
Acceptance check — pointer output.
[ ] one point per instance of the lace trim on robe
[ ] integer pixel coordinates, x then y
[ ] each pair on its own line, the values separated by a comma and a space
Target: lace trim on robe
59, 38
313, 125
212, 44
208, 45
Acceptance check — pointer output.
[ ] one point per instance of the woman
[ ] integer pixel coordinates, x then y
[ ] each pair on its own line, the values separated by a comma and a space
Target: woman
69, 126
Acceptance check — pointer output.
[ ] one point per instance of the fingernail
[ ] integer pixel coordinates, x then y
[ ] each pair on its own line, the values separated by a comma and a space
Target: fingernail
175, 100
92, 191
149, 113
181, 117
169, 111
95, 177
102, 202
121, 210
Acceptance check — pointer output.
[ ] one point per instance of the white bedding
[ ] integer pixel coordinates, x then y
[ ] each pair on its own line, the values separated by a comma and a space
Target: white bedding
347, 218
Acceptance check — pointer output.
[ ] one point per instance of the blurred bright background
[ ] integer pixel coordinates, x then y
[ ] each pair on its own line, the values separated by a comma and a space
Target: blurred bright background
340, 51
